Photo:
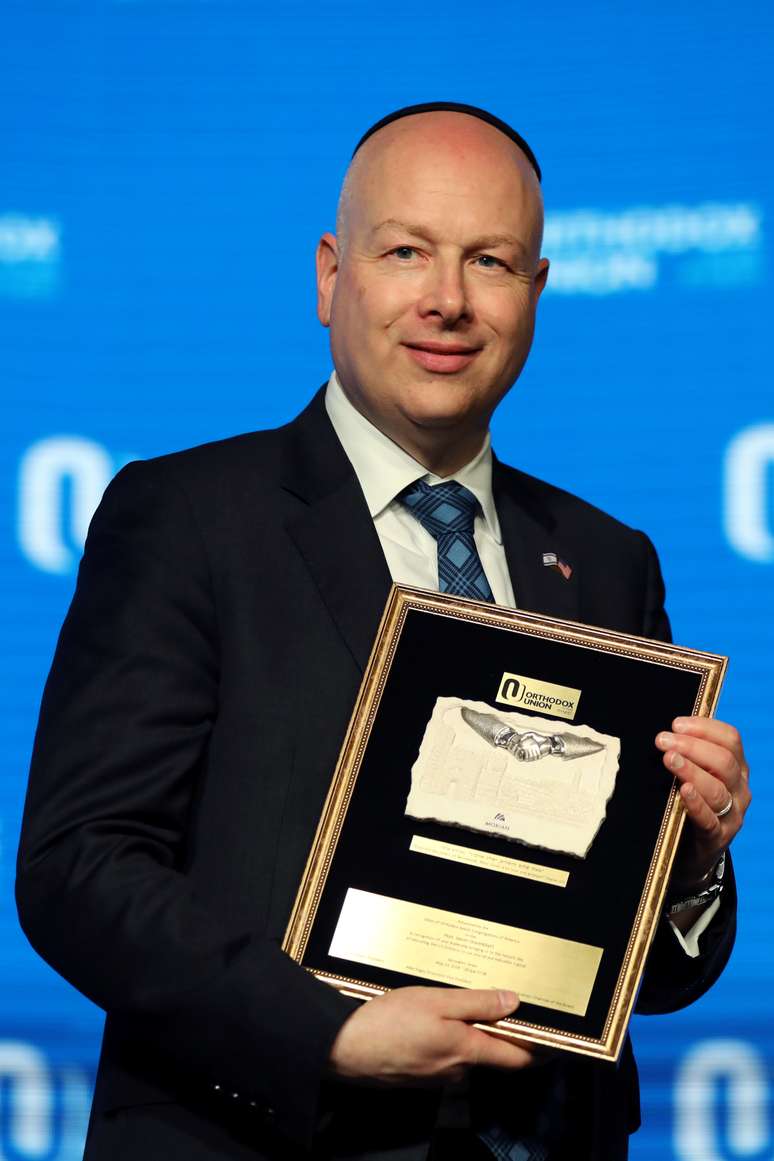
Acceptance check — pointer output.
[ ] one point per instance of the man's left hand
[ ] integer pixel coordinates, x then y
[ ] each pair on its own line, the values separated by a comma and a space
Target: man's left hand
707, 758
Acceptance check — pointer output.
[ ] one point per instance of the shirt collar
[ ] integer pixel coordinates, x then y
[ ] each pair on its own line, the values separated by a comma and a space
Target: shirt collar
384, 469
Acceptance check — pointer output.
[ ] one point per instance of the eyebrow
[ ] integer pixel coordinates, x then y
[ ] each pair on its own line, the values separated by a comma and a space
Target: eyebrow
486, 241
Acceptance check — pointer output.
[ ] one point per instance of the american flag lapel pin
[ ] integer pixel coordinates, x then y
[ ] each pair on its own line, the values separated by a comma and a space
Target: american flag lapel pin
551, 560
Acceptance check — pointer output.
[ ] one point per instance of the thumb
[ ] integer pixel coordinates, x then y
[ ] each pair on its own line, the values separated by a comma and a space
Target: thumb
478, 1004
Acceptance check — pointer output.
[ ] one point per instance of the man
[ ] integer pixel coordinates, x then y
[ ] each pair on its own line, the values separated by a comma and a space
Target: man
231, 592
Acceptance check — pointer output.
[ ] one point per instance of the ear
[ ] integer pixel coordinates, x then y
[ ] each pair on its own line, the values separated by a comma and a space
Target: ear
541, 277
327, 261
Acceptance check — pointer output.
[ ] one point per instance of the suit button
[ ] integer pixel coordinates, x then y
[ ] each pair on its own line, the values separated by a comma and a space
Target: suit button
269, 1115
234, 1095
216, 1088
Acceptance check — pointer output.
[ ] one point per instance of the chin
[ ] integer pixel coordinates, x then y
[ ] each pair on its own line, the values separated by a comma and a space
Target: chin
439, 404
439, 418
439, 421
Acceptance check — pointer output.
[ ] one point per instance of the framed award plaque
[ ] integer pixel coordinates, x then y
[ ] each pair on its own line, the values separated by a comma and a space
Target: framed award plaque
500, 816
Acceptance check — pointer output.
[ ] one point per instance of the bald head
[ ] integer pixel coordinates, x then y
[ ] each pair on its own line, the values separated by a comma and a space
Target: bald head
455, 107
440, 148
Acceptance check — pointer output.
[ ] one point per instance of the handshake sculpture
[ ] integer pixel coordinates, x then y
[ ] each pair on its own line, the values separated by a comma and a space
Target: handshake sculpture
528, 745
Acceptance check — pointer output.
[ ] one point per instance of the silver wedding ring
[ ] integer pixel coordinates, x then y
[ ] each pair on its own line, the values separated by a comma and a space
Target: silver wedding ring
726, 809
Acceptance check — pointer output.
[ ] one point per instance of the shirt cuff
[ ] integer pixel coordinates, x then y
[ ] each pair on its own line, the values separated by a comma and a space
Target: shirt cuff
689, 940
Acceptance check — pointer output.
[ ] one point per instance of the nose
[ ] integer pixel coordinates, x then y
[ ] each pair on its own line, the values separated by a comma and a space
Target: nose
445, 293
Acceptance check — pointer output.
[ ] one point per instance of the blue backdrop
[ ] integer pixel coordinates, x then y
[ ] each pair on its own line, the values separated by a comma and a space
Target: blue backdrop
167, 167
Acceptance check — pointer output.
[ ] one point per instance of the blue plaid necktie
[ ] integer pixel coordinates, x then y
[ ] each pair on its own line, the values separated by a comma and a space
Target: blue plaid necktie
448, 512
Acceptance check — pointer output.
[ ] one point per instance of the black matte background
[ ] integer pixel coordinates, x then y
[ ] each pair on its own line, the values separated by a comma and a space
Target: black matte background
444, 657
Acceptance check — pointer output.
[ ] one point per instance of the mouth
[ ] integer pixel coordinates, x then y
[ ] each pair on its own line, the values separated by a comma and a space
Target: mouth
442, 358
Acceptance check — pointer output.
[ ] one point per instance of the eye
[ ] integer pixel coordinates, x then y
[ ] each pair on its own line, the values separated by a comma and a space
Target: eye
403, 252
489, 262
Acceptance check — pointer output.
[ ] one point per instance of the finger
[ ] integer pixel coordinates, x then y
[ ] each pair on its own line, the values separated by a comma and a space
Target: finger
477, 1004
710, 828
721, 733
538, 1053
716, 760
495, 1052
715, 793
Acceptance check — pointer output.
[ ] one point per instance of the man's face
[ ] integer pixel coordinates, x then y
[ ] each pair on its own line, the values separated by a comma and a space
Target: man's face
431, 293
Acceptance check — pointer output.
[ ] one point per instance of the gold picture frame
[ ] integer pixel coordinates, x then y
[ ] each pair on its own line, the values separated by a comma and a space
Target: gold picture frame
366, 861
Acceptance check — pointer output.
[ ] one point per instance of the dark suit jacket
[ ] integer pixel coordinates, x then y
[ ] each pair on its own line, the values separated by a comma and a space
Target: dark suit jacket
229, 595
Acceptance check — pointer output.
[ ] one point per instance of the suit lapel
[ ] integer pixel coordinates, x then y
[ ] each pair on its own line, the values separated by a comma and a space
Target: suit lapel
334, 531
335, 535
529, 530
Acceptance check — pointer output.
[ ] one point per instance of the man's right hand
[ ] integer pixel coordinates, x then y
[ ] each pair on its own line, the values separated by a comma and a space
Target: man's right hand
424, 1036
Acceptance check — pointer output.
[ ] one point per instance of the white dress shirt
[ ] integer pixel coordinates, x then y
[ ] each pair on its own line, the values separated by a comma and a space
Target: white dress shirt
384, 469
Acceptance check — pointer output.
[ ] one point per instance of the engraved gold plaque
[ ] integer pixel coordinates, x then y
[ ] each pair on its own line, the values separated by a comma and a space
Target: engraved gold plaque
466, 951
489, 861
470, 840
